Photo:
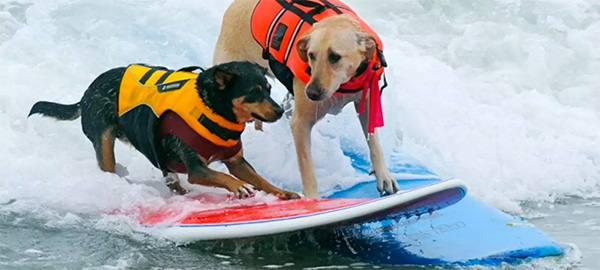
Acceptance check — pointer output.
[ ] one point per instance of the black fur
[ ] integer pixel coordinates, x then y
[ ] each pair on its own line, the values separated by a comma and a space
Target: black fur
99, 106
58, 111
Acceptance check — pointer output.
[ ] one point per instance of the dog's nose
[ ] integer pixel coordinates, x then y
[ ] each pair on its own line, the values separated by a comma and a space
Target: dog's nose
314, 92
278, 112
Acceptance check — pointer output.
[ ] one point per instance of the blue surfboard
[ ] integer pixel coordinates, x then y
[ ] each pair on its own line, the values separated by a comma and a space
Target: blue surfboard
466, 233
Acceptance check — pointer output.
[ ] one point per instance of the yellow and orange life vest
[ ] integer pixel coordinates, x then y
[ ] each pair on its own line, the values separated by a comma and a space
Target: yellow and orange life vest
163, 90
155, 101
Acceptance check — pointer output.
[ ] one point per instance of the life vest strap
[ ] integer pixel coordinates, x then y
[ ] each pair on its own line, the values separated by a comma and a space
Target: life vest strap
164, 77
214, 127
149, 73
303, 15
278, 33
385, 84
307, 3
343, 92
381, 57
191, 68
371, 85
332, 6
317, 8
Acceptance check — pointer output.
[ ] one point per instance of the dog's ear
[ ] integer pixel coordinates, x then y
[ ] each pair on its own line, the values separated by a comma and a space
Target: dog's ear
367, 44
302, 47
222, 78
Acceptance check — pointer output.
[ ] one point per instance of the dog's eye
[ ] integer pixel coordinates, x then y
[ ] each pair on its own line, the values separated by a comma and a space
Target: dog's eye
311, 56
257, 89
334, 58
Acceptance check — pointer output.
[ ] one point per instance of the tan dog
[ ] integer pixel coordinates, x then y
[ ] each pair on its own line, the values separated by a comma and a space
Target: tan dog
336, 48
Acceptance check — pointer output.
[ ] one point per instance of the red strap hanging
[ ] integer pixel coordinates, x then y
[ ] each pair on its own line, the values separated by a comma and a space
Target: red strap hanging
371, 85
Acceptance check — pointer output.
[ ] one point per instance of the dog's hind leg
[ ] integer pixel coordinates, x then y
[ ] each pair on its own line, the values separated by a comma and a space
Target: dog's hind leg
174, 183
105, 150
99, 119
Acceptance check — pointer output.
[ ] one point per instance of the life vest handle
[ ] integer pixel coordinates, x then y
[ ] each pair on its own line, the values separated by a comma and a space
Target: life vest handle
290, 6
318, 8
191, 68
307, 3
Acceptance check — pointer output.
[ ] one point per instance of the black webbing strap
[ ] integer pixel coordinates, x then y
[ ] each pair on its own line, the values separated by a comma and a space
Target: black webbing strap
381, 58
306, 3
385, 84
332, 6
303, 15
191, 68
147, 75
221, 132
164, 77
349, 91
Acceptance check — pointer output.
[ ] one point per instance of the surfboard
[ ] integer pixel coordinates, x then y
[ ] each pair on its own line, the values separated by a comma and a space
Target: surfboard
218, 216
469, 232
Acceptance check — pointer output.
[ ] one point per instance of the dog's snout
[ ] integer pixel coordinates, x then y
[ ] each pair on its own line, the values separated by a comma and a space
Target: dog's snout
278, 111
314, 92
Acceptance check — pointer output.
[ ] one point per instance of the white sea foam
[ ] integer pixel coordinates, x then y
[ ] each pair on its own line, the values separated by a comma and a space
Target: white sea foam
501, 94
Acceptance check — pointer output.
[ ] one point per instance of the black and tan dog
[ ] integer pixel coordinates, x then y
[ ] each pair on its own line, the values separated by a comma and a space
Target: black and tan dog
180, 120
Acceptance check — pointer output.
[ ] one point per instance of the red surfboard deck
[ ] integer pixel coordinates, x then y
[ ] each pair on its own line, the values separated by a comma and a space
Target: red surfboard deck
238, 212
212, 216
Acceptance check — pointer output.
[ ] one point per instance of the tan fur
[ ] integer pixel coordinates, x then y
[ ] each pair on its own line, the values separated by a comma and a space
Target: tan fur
263, 109
243, 111
340, 34
242, 170
243, 175
221, 180
107, 161
173, 183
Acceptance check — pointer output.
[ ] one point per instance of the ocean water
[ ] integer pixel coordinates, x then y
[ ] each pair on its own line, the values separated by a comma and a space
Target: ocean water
503, 94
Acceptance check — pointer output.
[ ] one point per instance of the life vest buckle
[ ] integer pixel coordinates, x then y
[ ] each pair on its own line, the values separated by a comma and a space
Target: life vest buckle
381, 58
265, 54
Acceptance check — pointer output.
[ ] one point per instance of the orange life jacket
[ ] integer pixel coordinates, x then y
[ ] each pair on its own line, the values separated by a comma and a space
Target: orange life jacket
278, 24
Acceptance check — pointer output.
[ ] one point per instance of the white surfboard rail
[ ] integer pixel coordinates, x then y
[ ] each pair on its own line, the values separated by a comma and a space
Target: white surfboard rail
236, 230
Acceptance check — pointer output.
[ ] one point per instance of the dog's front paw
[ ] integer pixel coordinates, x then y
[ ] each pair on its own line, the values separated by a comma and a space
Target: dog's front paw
244, 191
287, 195
283, 194
176, 188
386, 183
